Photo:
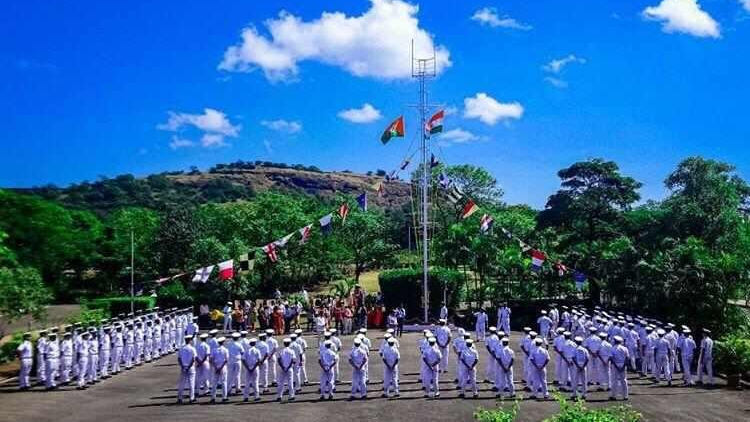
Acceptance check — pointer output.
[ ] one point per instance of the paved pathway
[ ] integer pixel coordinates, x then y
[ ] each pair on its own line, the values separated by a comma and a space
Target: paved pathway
147, 393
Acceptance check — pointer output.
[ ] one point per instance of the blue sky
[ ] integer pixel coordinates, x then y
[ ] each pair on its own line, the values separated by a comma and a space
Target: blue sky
95, 88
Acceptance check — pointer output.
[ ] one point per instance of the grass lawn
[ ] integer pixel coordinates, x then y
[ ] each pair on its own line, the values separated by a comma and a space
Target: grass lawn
369, 281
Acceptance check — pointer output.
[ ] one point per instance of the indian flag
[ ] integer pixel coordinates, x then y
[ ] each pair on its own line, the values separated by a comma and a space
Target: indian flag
395, 129
435, 124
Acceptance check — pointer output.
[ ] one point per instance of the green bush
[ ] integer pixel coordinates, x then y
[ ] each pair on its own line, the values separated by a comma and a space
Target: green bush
570, 411
405, 286
89, 317
8, 349
174, 295
120, 304
733, 355
576, 411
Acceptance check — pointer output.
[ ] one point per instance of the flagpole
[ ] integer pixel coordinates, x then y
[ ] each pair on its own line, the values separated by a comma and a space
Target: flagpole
422, 69
132, 272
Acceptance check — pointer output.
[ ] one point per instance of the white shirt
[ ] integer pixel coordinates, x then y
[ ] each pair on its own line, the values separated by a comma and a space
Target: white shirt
235, 351
219, 356
52, 350
187, 355
443, 335
25, 350
252, 356
481, 318
707, 347
328, 356
358, 356
688, 346
620, 355
539, 357
391, 355
66, 348
286, 358
469, 355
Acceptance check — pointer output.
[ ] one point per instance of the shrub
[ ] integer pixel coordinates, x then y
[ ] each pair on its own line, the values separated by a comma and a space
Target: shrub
120, 304
733, 355
405, 286
89, 317
8, 349
173, 295
575, 411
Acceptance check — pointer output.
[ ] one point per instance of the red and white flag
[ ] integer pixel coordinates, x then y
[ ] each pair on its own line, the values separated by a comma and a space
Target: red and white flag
343, 211
469, 209
537, 259
305, 233
270, 250
226, 270
435, 124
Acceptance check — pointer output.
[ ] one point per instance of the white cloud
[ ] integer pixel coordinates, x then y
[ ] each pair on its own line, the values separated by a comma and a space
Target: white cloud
488, 16
450, 110
458, 136
282, 125
178, 143
684, 16
211, 120
267, 146
375, 44
214, 125
746, 4
557, 65
213, 140
365, 114
556, 82
490, 111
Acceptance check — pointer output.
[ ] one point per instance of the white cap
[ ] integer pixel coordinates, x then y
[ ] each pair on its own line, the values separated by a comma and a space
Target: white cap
287, 340
221, 339
298, 331
235, 335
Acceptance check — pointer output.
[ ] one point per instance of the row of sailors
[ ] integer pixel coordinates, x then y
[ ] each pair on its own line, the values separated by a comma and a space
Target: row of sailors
655, 349
250, 365
601, 358
87, 355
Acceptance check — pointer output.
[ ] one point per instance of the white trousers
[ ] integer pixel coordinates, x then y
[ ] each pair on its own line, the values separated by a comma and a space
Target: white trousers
579, 381
219, 377
23, 374
251, 382
358, 383
390, 379
285, 379
83, 368
187, 381
619, 382
706, 365
687, 374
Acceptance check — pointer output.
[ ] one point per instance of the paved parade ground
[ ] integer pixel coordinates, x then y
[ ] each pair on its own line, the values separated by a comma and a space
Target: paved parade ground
148, 393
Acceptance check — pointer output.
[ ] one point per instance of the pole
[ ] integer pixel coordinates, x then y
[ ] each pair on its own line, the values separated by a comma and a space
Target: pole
132, 271
425, 170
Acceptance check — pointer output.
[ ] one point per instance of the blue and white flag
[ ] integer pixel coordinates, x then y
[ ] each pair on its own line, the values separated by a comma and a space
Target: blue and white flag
325, 224
485, 224
580, 279
362, 201
444, 180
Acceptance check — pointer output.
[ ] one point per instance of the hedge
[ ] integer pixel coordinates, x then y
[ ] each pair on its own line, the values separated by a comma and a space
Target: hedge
8, 349
120, 304
405, 287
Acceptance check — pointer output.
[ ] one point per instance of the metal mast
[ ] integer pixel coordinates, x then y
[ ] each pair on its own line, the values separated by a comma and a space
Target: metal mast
423, 69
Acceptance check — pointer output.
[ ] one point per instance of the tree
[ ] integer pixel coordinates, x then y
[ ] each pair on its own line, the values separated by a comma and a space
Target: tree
587, 213
363, 237
21, 292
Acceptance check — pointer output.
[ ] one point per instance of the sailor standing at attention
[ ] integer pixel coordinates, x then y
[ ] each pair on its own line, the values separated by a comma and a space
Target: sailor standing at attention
469, 359
219, 359
391, 357
251, 361
327, 362
286, 361
25, 355
186, 359
443, 336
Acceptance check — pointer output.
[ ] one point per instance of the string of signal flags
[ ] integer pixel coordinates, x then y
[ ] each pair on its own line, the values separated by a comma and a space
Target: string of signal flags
452, 192
456, 196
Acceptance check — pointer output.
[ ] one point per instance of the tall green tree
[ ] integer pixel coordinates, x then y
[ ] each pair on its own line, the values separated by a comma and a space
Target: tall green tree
364, 239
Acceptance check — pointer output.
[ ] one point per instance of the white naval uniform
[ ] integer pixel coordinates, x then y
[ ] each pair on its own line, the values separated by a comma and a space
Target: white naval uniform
250, 361
469, 357
328, 359
391, 357
186, 359
358, 357
219, 373
25, 352
286, 360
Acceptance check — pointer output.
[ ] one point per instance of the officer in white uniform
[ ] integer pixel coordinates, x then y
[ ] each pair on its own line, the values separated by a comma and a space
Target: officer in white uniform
648, 364
580, 361
560, 370
219, 360
139, 338
432, 359
337, 346
469, 359
358, 360
458, 345
327, 362
148, 341
545, 323
52, 361
262, 346
491, 368
286, 361
203, 365
234, 365
539, 359
503, 318
297, 349
118, 347
251, 361
105, 352
25, 355
705, 358
391, 357
41, 359
443, 337
662, 350
186, 359
620, 358
227, 311
604, 356
687, 349
592, 343
525, 348
505, 359
83, 360
444, 312
480, 325
273, 347
302, 363
93, 372
129, 346
366, 344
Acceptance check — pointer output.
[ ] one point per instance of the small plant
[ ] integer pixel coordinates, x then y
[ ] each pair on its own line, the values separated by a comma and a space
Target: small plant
497, 415
576, 411
733, 355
